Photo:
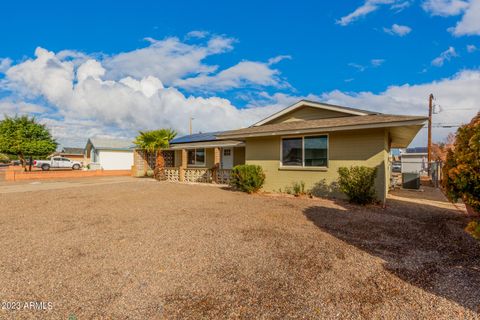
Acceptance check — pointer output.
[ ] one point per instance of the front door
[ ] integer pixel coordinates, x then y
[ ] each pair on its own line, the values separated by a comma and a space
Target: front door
227, 158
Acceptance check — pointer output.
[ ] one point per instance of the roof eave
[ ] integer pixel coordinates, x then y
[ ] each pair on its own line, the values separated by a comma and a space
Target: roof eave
326, 129
207, 144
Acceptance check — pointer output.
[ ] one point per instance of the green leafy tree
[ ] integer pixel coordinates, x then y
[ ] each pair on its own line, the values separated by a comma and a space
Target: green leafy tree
461, 171
4, 158
25, 137
153, 142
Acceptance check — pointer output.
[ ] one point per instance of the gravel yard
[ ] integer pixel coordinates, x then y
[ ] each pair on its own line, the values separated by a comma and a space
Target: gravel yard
141, 249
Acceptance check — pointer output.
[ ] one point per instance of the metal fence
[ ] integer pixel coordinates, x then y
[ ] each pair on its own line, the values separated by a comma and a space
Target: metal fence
432, 170
435, 173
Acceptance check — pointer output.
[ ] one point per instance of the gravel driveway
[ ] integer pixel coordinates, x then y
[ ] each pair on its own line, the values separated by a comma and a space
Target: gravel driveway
141, 249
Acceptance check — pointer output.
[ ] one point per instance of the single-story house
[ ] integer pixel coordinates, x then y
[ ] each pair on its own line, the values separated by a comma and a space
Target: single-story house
415, 160
75, 154
307, 142
109, 154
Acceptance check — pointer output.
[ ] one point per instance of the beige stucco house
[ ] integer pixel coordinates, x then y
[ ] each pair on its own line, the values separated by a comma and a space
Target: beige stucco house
307, 142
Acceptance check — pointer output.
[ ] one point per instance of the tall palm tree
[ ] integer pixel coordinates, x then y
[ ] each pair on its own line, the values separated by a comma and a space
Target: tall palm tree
153, 142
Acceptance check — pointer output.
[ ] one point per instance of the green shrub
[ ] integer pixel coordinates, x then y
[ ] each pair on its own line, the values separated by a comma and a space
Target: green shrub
4, 158
247, 178
461, 171
150, 173
323, 189
473, 228
298, 188
358, 183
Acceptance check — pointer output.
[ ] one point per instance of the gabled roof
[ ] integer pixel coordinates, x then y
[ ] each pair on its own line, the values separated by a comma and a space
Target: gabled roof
70, 150
314, 104
197, 137
111, 144
325, 125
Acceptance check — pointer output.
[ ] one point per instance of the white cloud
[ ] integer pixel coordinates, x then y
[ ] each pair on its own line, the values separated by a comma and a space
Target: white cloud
277, 59
243, 74
374, 63
5, 63
91, 68
446, 55
45, 75
357, 66
458, 96
83, 101
377, 62
445, 8
398, 7
82, 94
398, 30
12, 107
197, 34
277, 101
471, 48
368, 6
470, 22
168, 59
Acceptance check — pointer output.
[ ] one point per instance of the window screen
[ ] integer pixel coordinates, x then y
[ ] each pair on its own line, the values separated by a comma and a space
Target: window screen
200, 156
191, 156
316, 154
292, 152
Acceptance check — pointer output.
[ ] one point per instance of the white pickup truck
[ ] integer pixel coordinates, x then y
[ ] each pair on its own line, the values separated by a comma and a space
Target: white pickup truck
57, 162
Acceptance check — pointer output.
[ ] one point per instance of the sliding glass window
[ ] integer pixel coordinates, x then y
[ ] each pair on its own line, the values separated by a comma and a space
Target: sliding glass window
307, 151
196, 157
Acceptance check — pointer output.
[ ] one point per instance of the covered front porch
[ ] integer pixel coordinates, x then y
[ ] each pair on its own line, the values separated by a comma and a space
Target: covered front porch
204, 161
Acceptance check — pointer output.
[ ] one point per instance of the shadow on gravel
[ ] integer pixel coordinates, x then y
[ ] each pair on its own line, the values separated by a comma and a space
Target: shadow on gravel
422, 244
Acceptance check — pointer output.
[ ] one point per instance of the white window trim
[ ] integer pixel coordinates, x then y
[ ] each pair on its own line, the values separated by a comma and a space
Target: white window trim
198, 165
303, 167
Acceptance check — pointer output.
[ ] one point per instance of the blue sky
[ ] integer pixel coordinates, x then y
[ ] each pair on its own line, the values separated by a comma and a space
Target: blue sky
348, 52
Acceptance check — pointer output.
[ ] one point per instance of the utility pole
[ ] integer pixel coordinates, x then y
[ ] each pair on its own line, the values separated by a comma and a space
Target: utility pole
429, 147
190, 124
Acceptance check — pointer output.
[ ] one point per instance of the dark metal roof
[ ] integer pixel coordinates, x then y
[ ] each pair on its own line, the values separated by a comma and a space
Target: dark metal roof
197, 137
417, 150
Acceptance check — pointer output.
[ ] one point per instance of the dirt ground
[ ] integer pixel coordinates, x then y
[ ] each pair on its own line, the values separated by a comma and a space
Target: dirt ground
124, 248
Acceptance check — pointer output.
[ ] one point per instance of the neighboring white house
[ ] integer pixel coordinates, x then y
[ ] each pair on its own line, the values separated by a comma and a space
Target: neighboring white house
109, 154
414, 160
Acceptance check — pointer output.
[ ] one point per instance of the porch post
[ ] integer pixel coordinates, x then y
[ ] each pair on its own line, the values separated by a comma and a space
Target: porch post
183, 166
216, 164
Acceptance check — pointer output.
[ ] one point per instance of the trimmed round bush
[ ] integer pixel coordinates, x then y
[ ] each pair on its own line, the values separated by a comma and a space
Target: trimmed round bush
358, 183
247, 178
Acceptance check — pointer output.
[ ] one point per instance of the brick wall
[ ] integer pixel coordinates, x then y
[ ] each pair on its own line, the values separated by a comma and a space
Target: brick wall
142, 162
15, 175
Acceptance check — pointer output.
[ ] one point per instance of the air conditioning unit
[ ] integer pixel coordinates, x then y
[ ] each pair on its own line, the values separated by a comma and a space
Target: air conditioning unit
411, 180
